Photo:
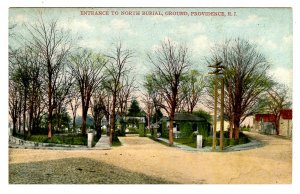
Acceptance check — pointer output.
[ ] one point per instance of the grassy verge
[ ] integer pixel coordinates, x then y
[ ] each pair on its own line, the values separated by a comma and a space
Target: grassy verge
116, 142
76, 139
159, 141
186, 141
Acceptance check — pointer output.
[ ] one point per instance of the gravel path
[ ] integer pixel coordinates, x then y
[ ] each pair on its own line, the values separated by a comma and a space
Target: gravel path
271, 163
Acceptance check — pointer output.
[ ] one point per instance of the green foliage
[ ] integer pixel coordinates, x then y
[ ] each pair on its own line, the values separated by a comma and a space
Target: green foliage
164, 130
187, 141
154, 133
142, 130
203, 114
116, 142
134, 109
57, 139
157, 116
185, 129
245, 128
133, 121
207, 141
89, 121
132, 130
203, 129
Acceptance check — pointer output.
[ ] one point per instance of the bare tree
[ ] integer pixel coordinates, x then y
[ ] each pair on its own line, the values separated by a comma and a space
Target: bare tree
74, 102
14, 99
117, 68
61, 94
99, 109
149, 106
86, 67
127, 88
192, 89
245, 78
53, 44
170, 63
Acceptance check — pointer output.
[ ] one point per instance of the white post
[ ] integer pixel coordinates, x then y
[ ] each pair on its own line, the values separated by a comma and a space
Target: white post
199, 141
90, 139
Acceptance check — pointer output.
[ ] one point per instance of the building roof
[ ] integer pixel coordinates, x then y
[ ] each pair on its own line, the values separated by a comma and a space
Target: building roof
286, 114
187, 117
265, 117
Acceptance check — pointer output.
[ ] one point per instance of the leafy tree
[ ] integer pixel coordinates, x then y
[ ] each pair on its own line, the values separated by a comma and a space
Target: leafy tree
245, 78
157, 116
134, 109
203, 114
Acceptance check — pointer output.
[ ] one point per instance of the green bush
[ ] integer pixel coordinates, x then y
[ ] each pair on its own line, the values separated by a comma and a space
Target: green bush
185, 129
38, 138
202, 129
164, 130
154, 133
233, 142
207, 141
227, 140
132, 130
142, 130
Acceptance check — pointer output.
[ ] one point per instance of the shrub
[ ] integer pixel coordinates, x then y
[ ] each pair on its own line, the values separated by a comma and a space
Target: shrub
132, 130
185, 129
164, 130
203, 129
207, 141
142, 130
233, 142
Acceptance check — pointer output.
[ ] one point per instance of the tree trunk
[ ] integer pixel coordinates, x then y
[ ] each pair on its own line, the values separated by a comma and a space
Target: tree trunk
20, 120
49, 124
83, 123
98, 129
50, 108
74, 124
24, 112
112, 119
171, 129
112, 124
14, 132
230, 129
236, 128
277, 125
30, 125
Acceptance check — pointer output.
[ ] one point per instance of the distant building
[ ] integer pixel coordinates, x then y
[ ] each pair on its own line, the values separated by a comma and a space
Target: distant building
182, 120
265, 123
285, 123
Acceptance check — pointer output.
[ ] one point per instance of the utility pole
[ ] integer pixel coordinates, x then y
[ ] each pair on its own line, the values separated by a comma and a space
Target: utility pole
216, 72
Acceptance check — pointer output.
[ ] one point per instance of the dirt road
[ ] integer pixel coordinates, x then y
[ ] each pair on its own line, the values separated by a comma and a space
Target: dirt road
271, 163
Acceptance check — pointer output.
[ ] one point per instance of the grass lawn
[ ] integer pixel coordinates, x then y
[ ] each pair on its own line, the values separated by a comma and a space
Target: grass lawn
186, 141
76, 171
159, 141
116, 142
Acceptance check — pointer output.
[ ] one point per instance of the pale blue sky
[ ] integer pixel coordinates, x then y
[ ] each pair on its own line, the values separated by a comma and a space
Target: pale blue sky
269, 28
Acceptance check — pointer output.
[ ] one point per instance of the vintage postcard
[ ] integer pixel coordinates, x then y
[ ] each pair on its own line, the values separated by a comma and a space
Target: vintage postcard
150, 95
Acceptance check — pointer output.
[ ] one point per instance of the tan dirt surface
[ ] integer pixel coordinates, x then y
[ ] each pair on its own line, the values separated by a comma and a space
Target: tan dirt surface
269, 164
